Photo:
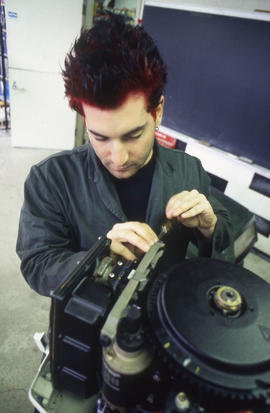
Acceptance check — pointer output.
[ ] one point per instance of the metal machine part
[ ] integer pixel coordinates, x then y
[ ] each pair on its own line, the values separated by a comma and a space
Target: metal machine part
209, 321
228, 300
182, 402
126, 375
192, 338
166, 228
47, 399
135, 285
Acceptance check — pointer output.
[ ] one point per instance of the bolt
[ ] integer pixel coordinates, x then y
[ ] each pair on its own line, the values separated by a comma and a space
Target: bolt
105, 341
45, 402
48, 376
111, 275
182, 397
156, 377
181, 402
110, 353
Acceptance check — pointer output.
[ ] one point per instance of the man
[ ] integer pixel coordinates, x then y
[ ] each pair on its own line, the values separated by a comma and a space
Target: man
122, 183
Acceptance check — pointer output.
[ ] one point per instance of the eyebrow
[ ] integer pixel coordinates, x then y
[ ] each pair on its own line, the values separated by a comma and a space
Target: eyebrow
125, 135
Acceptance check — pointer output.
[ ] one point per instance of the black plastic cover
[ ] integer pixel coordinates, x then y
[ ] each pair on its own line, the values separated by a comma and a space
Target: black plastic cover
230, 351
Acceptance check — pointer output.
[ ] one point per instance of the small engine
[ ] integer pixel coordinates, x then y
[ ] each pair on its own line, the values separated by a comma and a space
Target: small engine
144, 336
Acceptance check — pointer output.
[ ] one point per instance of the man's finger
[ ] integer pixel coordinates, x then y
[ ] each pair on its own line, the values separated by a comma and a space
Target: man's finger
120, 249
127, 236
141, 229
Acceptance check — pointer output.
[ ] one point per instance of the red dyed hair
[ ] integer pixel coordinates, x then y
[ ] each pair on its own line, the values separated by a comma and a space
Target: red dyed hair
110, 61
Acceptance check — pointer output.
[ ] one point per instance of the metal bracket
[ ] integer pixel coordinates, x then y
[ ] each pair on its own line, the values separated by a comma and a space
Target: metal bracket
138, 281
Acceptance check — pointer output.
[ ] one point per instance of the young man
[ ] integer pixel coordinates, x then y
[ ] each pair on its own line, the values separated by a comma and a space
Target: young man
122, 183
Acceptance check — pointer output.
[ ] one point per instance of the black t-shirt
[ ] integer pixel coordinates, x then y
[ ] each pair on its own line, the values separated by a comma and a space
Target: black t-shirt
134, 192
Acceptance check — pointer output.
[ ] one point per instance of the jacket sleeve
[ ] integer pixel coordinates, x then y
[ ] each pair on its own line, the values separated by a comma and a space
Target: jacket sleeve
45, 243
221, 244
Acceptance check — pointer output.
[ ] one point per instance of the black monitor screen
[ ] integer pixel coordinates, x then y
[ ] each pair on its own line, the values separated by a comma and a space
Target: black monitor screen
218, 78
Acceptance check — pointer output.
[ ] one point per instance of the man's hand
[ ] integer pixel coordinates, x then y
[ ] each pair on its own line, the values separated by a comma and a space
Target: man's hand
193, 210
131, 239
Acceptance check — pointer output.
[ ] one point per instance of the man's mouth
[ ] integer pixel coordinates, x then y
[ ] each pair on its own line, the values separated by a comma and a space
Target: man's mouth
121, 168
124, 168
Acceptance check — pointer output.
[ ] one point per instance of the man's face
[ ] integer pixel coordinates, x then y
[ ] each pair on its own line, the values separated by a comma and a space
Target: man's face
123, 138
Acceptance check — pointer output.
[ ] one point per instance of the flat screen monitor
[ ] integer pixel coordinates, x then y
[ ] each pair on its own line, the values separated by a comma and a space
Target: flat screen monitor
218, 78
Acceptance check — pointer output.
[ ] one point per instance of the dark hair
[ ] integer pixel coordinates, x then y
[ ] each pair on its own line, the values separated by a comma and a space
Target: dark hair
111, 60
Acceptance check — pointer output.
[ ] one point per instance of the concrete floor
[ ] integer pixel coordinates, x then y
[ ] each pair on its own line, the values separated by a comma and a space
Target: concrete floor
23, 312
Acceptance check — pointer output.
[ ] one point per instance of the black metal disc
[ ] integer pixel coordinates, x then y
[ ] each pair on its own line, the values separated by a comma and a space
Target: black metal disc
231, 350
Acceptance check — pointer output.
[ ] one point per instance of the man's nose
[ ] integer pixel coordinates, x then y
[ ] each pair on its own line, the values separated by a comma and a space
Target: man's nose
119, 154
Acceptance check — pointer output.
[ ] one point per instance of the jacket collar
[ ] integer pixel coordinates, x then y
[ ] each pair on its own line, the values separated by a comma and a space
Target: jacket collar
161, 188
104, 185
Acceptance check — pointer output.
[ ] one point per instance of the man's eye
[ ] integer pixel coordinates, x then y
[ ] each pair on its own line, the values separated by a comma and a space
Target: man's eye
100, 139
134, 136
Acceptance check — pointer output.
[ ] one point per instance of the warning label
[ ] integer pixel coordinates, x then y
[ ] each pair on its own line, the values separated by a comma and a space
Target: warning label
165, 139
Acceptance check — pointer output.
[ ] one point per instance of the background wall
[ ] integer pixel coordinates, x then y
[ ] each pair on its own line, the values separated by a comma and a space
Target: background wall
247, 5
39, 33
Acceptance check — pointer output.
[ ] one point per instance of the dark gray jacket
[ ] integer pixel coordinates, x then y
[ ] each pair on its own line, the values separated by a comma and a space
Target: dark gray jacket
70, 201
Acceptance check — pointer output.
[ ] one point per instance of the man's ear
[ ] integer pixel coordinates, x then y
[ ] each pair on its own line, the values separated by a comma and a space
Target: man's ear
159, 112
